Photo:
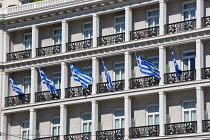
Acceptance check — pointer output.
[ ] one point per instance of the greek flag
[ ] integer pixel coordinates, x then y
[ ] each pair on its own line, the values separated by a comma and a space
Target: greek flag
146, 67
47, 82
15, 88
176, 66
108, 78
80, 76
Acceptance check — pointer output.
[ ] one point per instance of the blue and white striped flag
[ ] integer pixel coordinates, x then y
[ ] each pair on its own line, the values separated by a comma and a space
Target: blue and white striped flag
146, 67
80, 76
47, 82
108, 78
176, 66
15, 88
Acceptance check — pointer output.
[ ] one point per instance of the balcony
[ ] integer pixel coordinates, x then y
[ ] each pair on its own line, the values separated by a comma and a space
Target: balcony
205, 73
111, 39
49, 138
78, 91
181, 128
80, 136
117, 86
180, 26
206, 125
79, 45
20, 55
144, 131
46, 96
115, 134
189, 75
206, 21
17, 100
141, 82
49, 50
144, 33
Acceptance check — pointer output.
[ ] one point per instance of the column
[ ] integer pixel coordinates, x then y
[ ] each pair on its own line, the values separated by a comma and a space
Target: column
162, 16
199, 58
65, 30
127, 69
6, 45
64, 78
162, 112
34, 82
94, 119
3, 126
162, 63
128, 22
32, 131
95, 29
35, 40
127, 106
200, 108
5, 88
199, 13
95, 74
63, 121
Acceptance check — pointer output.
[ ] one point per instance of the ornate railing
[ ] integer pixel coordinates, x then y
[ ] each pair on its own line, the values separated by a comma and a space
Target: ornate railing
111, 39
115, 134
205, 73
144, 131
181, 128
19, 55
49, 138
79, 45
141, 82
188, 75
80, 136
180, 26
49, 50
206, 21
46, 96
17, 100
78, 91
117, 86
206, 125
144, 33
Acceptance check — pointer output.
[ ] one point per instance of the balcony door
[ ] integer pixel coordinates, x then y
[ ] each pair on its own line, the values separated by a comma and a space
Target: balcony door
153, 115
57, 36
189, 11
27, 85
119, 25
119, 69
153, 18
189, 60
88, 31
119, 119
189, 111
27, 41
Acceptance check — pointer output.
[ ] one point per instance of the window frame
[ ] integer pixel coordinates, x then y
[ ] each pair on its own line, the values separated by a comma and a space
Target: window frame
24, 129
88, 67
121, 117
86, 121
183, 110
151, 57
83, 33
147, 113
55, 125
119, 16
187, 2
150, 10
53, 78
24, 35
182, 62
23, 87
114, 73
53, 40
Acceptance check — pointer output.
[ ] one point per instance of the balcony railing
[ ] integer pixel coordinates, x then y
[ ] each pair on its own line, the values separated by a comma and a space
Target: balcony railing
80, 136
144, 33
17, 100
144, 131
49, 138
20, 55
206, 125
180, 26
111, 39
78, 91
206, 21
143, 82
49, 50
117, 86
188, 75
46, 96
181, 128
115, 134
79, 45
205, 73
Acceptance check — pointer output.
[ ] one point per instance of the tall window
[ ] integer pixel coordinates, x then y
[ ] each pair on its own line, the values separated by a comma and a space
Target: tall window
88, 31
189, 111
88, 71
27, 85
120, 25
57, 36
57, 80
189, 11
55, 126
0, 5
155, 61
119, 71
28, 41
119, 119
189, 60
153, 18
87, 122
24, 1
153, 115
25, 130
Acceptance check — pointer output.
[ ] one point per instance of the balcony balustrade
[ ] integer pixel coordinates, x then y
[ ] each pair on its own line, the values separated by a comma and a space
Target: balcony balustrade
188, 75
17, 100
79, 45
206, 125
20, 55
144, 131
117, 86
49, 50
111, 39
46, 96
181, 128
205, 73
115, 134
80, 136
206, 21
49, 138
180, 26
78, 91
141, 82
144, 33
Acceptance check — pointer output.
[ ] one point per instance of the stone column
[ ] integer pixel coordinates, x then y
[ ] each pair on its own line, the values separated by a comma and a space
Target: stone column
94, 119
127, 106
34, 82
199, 58
95, 74
199, 13
3, 126
127, 69
32, 132
162, 112
128, 22
6, 45
64, 78
199, 108
162, 16
63, 121
5, 88
95, 29
162, 63
35, 40
65, 30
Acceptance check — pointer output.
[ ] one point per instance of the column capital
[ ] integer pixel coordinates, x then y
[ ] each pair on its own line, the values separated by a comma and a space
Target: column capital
94, 58
5, 73
199, 88
32, 110
162, 93
94, 15
63, 63
94, 101
161, 47
63, 106
162, 1
198, 41
64, 21
127, 53
33, 68
34, 27
127, 97
127, 8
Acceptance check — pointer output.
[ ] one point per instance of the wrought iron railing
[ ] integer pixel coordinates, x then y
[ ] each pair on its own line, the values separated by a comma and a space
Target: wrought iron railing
20, 55
205, 73
117, 86
111, 39
141, 82
80, 136
49, 138
206, 125
17, 100
181, 128
144, 131
79, 45
49, 50
46, 96
206, 21
115, 134
189, 75
78, 91
144, 33
180, 26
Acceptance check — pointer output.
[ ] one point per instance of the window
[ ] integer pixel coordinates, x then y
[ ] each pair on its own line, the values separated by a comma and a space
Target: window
57, 80
189, 60
189, 11
155, 61
27, 85
25, 130
153, 115
28, 41
119, 71
153, 18
24, 1
0, 5
88, 71
119, 25
55, 127
87, 122
189, 111
119, 119
57, 36
88, 31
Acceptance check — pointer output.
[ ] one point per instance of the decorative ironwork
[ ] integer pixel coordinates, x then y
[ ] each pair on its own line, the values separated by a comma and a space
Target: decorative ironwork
141, 82
46, 96
49, 50
49, 138
111, 39
117, 86
79, 45
144, 33
206, 21
188, 75
205, 73
80, 136
180, 26
78, 91
144, 131
17, 100
20, 55
181, 128
115, 134
206, 125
